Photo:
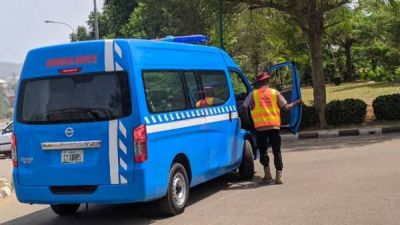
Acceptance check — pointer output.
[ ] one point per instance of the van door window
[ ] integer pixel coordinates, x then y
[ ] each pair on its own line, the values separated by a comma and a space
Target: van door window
74, 98
214, 89
164, 91
239, 86
193, 89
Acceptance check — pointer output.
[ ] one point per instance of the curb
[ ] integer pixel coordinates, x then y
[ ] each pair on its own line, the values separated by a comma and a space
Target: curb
6, 188
341, 133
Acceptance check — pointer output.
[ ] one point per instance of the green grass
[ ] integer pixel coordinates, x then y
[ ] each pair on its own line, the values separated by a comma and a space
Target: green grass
359, 90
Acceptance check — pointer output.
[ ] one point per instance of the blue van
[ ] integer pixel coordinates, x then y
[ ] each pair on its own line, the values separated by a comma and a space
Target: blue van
117, 121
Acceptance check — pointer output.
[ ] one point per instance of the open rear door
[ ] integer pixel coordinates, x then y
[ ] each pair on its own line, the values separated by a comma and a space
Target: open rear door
285, 78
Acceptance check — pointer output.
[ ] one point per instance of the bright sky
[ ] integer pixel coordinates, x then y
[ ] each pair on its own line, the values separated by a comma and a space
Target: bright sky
22, 27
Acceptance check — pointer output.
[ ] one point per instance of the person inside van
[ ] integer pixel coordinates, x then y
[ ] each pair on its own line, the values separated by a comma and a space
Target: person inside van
206, 97
265, 104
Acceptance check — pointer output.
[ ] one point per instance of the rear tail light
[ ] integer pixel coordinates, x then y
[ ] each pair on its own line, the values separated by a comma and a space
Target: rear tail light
14, 150
140, 141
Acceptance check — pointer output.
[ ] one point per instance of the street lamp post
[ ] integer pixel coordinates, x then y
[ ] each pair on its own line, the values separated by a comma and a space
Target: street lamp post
58, 22
96, 21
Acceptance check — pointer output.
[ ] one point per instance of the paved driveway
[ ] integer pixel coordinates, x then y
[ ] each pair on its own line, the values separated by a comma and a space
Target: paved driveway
331, 181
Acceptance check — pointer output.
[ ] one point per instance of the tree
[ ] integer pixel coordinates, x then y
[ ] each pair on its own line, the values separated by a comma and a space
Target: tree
170, 17
310, 16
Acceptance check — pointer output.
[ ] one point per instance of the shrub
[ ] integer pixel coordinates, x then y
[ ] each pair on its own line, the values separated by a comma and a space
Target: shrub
345, 111
387, 107
309, 117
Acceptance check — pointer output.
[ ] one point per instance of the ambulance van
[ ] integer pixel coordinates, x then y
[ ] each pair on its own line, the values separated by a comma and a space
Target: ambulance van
118, 121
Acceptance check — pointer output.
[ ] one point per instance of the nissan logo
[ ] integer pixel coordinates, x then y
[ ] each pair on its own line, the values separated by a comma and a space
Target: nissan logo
69, 132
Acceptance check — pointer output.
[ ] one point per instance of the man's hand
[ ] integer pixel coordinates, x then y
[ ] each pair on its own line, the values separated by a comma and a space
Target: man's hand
298, 102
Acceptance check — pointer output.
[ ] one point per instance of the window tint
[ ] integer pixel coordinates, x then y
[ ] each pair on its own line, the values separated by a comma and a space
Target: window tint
9, 128
75, 98
215, 87
164, 91
193, 89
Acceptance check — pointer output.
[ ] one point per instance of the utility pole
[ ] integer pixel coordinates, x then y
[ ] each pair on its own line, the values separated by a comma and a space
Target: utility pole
221, 25
96, 21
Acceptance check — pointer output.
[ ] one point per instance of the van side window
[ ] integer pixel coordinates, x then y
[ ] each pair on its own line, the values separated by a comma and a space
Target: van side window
164, 91
238, 84
215, 89
193, 89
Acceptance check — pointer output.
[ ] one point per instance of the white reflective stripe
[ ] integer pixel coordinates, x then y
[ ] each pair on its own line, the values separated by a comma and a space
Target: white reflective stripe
226, 108
193, 115
123, 164
153, 119
183, 115
230, 107
159, 118
118, 50
113, 151
187, 115
171, 116
175, 125
147, 120
166, 117
123, 147
108, 56
222, 109
118, 67
188, 123
197, 113
122, 129
123, 179
177, 116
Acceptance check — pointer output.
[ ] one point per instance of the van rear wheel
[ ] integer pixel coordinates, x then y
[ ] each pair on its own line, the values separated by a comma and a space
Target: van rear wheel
246, 169
65, 209
177, 196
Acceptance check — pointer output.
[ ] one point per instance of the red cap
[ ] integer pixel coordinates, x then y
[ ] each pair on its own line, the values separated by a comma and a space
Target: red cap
262, 76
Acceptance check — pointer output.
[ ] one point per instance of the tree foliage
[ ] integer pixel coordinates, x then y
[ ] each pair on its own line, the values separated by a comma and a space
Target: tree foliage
330, 40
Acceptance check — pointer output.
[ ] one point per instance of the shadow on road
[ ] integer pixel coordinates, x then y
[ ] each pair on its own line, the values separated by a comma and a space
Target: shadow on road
337, 143
140, 213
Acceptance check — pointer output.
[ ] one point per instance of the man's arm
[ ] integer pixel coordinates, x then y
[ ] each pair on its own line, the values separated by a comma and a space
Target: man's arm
248, 102
285, 105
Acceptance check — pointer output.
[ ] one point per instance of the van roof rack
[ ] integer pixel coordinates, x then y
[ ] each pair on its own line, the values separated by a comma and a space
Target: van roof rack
189, 39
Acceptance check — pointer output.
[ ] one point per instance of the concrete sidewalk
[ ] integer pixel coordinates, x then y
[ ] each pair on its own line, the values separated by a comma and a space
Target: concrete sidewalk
6, 184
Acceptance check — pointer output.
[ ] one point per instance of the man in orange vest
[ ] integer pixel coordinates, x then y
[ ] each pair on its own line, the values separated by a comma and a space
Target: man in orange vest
206, 97
265, 104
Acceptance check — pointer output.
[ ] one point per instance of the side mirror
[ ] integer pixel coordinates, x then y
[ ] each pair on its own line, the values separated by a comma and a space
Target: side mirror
2, 131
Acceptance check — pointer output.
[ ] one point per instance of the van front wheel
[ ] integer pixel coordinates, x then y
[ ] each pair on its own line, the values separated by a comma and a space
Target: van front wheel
246, 169
65, 209
177, 196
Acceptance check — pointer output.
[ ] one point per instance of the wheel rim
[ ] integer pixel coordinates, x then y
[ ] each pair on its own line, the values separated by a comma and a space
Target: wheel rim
179, 189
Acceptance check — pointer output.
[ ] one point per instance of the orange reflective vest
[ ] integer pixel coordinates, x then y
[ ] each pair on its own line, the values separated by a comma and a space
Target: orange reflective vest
205, 102
266, 111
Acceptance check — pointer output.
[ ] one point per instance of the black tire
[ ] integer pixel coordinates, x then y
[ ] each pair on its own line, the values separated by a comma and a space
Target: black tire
174, 203
65, 209
246, 169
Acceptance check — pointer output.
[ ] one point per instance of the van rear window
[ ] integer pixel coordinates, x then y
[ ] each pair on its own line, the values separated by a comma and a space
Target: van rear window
74, 98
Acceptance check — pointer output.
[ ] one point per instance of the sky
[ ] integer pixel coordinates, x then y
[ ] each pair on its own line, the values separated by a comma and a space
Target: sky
22, 24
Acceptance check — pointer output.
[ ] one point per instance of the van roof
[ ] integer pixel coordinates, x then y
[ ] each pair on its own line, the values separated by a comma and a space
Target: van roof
148, 53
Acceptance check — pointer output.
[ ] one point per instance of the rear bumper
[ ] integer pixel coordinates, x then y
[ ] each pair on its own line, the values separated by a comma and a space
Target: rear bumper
139, 191
109, 194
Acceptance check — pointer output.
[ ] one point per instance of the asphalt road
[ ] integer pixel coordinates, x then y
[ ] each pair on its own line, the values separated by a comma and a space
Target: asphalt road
353, 180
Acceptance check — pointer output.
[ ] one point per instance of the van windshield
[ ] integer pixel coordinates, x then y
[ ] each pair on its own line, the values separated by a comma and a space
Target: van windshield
74, 98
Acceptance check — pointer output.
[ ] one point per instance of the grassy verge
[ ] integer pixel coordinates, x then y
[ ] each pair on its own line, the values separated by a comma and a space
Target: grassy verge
360, 90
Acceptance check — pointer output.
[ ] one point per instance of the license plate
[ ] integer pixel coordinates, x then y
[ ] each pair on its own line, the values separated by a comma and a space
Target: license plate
72, 156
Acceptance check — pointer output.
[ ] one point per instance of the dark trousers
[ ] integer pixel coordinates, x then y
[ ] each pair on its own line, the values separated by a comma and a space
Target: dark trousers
270, 138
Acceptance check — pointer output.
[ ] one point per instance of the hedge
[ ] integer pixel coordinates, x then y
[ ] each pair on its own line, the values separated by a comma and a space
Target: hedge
309, 117
346, 111
387, 107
